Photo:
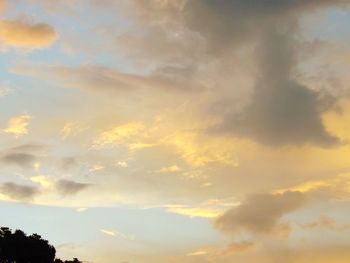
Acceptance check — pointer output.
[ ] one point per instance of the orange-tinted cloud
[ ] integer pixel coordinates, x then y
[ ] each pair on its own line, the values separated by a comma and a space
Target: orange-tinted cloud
26, 34
2, 5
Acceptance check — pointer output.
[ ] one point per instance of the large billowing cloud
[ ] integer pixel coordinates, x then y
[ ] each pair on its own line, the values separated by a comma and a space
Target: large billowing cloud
234, 22
261, 214
281, 110
26, 34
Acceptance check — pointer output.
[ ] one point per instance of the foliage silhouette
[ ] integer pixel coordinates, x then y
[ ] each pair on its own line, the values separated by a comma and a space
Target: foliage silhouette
17, 247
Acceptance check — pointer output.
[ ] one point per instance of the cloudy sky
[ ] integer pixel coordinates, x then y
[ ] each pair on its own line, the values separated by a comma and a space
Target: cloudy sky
193, 131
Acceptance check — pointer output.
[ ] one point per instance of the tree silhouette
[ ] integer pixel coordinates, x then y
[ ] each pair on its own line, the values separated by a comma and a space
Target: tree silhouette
75, 260
17, 247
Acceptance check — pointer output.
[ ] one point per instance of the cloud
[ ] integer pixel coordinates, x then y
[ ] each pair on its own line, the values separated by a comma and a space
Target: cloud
322, 222
211, 208
67, 187
81, 209
121, 164
215, 253
5, 90
170, 169
25, 155
261, 214
120, 135
96, 167
234, 22
282, 110
62, 187
26, 34
117, 234
18, 126
200, 150
192, 212
18, 192
325, 222
333, 188
2, 5
199, 252
42, 180
99, 79
108, 232
29, 148
23, 160
238, 247
67, 163
181, 26
71, 129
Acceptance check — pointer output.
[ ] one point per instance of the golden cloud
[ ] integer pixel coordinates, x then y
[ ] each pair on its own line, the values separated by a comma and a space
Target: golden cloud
337, 187
25, 34
71, 129
211, 208
217, 252
200, 150
119, 135
195, 212
170, 169
338, 123
18, 126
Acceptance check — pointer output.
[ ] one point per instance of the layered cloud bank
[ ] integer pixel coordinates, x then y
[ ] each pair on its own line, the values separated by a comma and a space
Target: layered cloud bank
225, 120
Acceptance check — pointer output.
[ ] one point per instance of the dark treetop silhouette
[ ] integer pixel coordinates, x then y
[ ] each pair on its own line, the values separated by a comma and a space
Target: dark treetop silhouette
17, 247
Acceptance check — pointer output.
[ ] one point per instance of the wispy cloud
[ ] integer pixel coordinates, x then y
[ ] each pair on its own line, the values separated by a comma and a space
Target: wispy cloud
118, 234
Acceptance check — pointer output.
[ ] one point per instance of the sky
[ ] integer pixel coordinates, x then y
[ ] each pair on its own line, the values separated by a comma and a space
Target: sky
192, 131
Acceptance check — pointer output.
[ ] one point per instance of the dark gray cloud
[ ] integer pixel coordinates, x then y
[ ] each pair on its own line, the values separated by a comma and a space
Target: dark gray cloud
261, 214
223, 24
282, 110
18, 192
67, 187
23, 160
24, 155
